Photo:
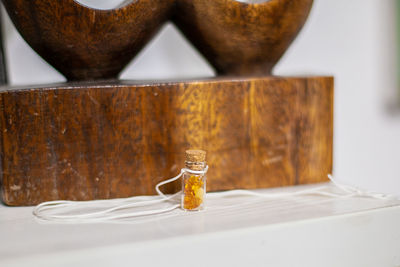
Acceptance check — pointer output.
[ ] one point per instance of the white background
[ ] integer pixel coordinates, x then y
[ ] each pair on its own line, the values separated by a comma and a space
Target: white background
353, 40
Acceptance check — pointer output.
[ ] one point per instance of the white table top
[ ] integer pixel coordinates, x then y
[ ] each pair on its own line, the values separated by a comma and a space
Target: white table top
295, 231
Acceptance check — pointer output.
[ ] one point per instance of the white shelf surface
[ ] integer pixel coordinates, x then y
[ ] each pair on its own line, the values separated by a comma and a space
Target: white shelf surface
291, 231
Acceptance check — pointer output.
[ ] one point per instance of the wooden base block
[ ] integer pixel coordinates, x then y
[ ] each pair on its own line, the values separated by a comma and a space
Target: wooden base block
119, 139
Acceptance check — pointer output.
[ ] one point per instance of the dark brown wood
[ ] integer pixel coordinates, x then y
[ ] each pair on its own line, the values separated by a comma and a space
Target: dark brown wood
91, 141
85, 43
240, 38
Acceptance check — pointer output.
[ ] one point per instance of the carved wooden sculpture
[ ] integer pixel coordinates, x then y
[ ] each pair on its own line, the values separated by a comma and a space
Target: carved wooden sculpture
85, 43
240, 38
92, 140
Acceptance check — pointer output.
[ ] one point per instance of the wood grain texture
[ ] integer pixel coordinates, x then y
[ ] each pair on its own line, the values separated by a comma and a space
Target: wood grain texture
90, 141
241, 38
85, 43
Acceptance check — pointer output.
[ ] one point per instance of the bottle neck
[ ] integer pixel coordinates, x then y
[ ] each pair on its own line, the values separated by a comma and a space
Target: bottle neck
195, 166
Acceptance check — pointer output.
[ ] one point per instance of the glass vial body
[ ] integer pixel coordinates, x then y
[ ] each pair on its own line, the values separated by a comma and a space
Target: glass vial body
193, 187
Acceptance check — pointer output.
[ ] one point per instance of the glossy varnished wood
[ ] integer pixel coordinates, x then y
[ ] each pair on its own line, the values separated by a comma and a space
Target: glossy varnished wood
239, 38
107, 140
85, 43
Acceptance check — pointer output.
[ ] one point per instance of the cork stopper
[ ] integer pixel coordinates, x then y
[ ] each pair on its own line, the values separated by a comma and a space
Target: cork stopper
195, 155
195, 159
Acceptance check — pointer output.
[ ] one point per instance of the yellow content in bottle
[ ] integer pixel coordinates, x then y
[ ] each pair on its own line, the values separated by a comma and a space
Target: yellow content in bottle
193, 192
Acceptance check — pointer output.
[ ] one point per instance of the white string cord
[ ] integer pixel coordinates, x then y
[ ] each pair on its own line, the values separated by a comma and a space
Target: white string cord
177, 177
45, 211
350, 191
67, 205
354, 191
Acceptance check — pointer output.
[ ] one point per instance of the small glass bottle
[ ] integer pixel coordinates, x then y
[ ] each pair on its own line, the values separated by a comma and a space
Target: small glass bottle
194, 184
